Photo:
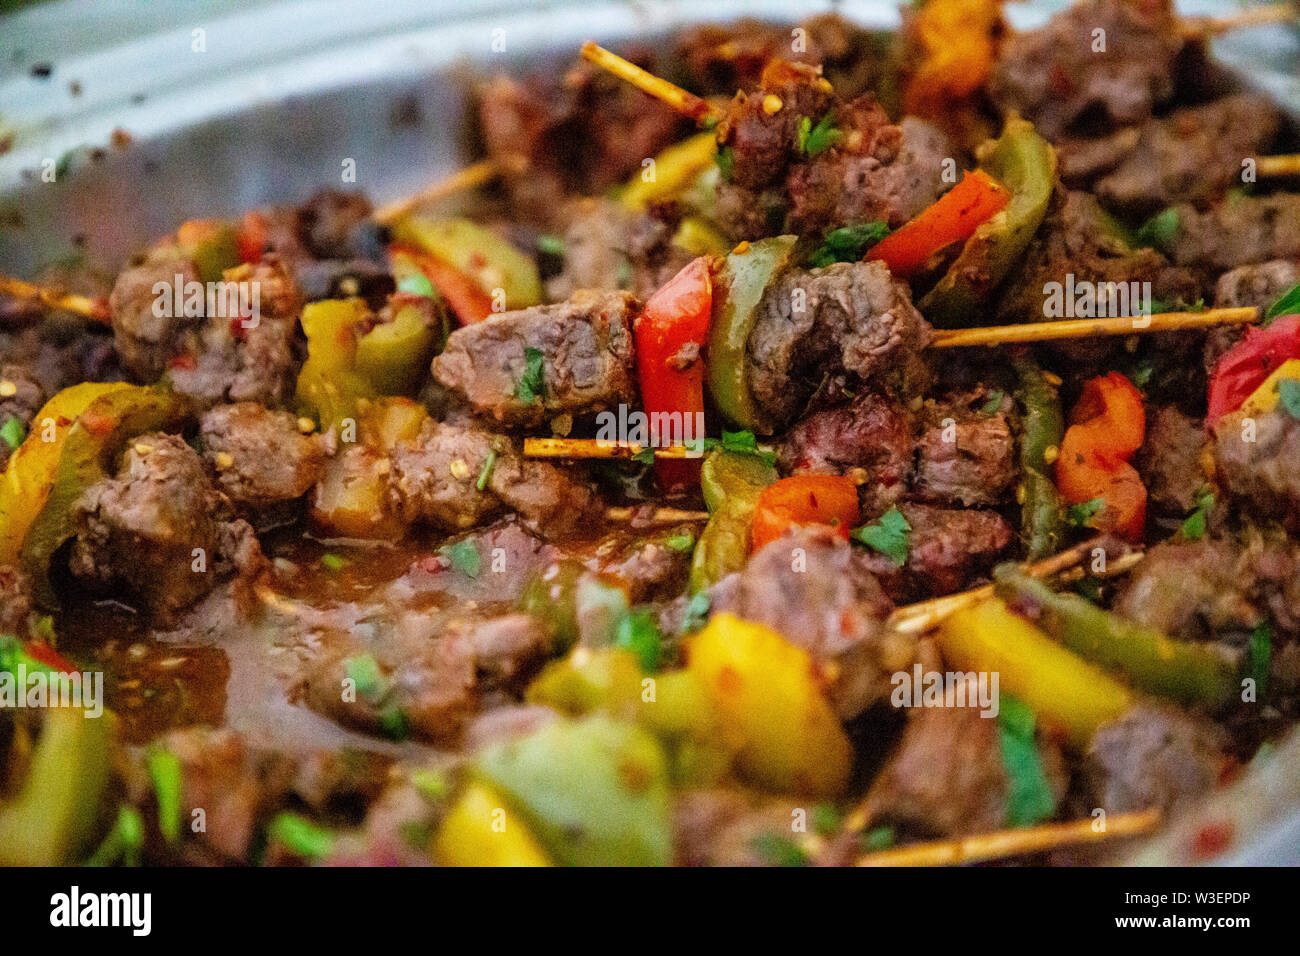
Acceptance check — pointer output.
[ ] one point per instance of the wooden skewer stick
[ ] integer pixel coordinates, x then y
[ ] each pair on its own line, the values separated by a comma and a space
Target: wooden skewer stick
660, 516
1278, 165
597, 448
925, 615
472, 176
1088, 328
1008, 843
96, 309
685, 102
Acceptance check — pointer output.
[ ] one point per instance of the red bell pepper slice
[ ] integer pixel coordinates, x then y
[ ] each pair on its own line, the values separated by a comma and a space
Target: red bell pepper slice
469, 302
954, 217
670, 334
1109, 426
1245, 366
830, 500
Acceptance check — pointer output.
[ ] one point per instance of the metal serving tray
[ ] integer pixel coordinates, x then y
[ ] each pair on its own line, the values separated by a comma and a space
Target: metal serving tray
284, 91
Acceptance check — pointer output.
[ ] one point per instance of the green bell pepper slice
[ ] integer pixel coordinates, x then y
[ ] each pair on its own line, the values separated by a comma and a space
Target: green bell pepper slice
479, 253
731, 483
394, 356
89, 454
748, 272
1042, 520
1025, 163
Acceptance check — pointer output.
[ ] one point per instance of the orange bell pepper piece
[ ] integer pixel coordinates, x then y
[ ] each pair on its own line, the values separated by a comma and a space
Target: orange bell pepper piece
1108, 427
830, 500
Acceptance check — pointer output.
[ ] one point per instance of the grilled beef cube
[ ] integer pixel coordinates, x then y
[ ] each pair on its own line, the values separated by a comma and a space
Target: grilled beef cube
949, 550
848, 317
145, 341
968, 461
1054, 77
159, 528
1244, 230
608, 247
1169, 460
1152, 757
1257, 286
585, 350
1076, 239
815, 589
15, 600
1191, 156
436, 479
1262, 475
872, 433
259, 456
945, 776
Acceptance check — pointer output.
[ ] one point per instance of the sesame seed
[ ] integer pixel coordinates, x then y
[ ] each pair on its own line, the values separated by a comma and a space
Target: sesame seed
225, 460
8, 389
306, 425
772, 104
141, 448
1050, 454
742, 248
1020, 494
1051, 378
459, 469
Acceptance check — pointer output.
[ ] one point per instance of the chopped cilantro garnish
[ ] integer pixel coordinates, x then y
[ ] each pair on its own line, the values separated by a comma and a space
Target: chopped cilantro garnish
300, 836
531, 384
638, 632
1287, 304
1079, 515
890, 534
680, 542
848, 243
485, 475
331, 562
1159, 231
417, 283
825, 819
1089, 588
696, 613
550, 244
364, 672
123, 841
1143, 370
743, 443
1261, 657
726, 160
1288, 391
813, 140
1029, 798
645, 456
881, 838
13, 432
776, 850
993, 404
64, 164
464, 557
393, 722
1193, 527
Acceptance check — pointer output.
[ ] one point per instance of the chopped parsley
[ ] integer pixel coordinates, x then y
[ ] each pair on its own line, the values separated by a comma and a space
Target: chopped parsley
890, 534
123, 841
813, 140
1261, 657
550, 244
363, 670
776, 850
680, 542
417, 283
1160, 231
696, 613
393, 723
881, 838
1288, 392
726, 160
485, 475
531, 384
1287, 304
1193, 528
1144, 369
848, 243
742, 443
1029, 798
645, 456
300, 836
1079, 515
638, 632
13, 432
331, 562
993, 404
165, 772
464, 557
825, 819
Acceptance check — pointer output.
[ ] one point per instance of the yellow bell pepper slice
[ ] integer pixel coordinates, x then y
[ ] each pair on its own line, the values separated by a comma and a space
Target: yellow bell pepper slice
1265, 398
1066, 692
478, 831
675, 168
771, 706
